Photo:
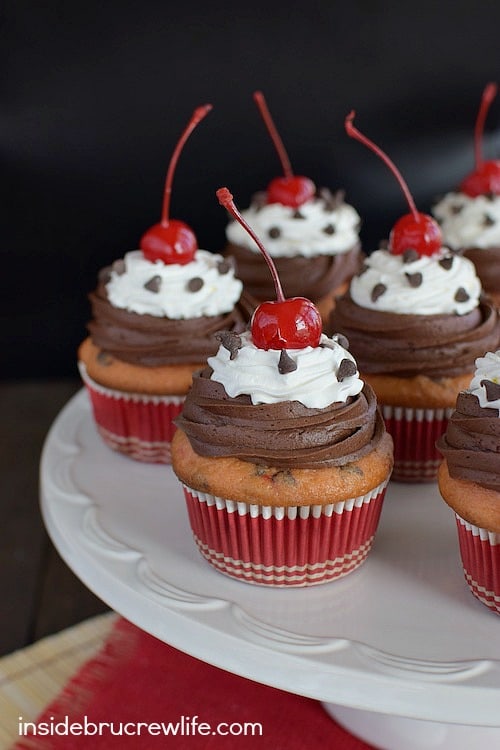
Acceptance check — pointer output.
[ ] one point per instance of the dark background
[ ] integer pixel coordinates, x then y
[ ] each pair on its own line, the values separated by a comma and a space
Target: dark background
93, 97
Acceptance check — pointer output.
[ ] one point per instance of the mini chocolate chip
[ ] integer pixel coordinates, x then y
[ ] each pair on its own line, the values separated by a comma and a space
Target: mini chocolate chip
414, 279
347, 368
230, 341
274, 232
456, 209
194, 284
490, 197
461, 295
377, 291
410, 255
488, 221
259, 200
364, 268
226, 265
286, 363
104, 275
297, 215
446, 263
154, 284
492, 389
104, 358
341, 340
329, 229
119, 266
331, 201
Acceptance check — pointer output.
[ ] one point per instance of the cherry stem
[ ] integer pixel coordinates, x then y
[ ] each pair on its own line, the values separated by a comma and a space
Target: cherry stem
489, 93
275, 137
354, 133
197, 116
226, 200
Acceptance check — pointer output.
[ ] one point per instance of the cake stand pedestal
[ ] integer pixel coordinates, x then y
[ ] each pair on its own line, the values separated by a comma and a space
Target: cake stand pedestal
399, 651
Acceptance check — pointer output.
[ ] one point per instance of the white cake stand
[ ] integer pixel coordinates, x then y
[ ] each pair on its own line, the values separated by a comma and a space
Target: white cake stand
400, 652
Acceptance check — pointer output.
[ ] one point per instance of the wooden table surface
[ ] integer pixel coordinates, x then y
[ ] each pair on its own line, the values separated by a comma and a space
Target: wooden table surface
39, 595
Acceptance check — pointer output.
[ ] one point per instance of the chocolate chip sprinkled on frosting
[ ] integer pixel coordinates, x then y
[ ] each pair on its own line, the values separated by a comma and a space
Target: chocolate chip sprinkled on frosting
410, 255
286, 363
119, 266
230, 341
331, 200
492, 389
194, 284
456, 209
461, 295
329, 229
226, 265
377, 291
488, 221
274, 232
446, 263
297, 215
490, 197
414, 279
347, 369
153, 285
341, 340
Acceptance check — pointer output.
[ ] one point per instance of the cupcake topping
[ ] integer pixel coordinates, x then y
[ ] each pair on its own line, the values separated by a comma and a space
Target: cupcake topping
485, 384
172, 290
476, 224
433, 285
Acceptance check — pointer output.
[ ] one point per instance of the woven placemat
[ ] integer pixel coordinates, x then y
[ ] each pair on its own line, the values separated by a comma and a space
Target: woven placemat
32, 677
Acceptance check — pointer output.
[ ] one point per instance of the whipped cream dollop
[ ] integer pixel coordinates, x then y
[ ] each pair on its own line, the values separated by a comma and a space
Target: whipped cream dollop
321, 226
485, 384
204, 287
409, 284
316, 382
468, 222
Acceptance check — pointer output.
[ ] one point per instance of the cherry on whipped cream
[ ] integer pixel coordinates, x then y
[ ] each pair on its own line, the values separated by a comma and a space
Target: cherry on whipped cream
485, 179
289, 190
172, 241
293, 323
413, 231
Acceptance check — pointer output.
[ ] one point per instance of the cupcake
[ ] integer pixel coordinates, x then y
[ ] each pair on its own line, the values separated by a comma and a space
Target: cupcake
469, 478
281, 450
470, 215
416, 321
154, 315
312, 236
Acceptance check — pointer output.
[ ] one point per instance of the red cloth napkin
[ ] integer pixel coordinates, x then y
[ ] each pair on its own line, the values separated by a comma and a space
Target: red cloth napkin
136, 683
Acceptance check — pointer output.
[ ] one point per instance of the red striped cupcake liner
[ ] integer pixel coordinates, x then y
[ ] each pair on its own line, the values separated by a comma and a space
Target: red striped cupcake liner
480, 552
137, 425
284, 546
414, 433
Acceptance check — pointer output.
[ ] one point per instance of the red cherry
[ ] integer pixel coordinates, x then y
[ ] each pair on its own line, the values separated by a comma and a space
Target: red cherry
415, 230
424, 235
486, 176
485, 180
290, 190
172, 241
292, 324
285, 323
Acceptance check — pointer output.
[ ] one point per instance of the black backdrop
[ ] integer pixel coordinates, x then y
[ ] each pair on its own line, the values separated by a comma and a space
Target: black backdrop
94, 96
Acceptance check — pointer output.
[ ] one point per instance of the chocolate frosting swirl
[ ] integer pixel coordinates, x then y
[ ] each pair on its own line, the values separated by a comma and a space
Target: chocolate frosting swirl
153, 341
285, 434
408, 345
300, 276
471, 444
487, 263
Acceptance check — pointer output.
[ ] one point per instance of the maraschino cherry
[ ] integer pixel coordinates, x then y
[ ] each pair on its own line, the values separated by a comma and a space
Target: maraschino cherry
172, 241
486, 176
285, 323
415, 231
290, 190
